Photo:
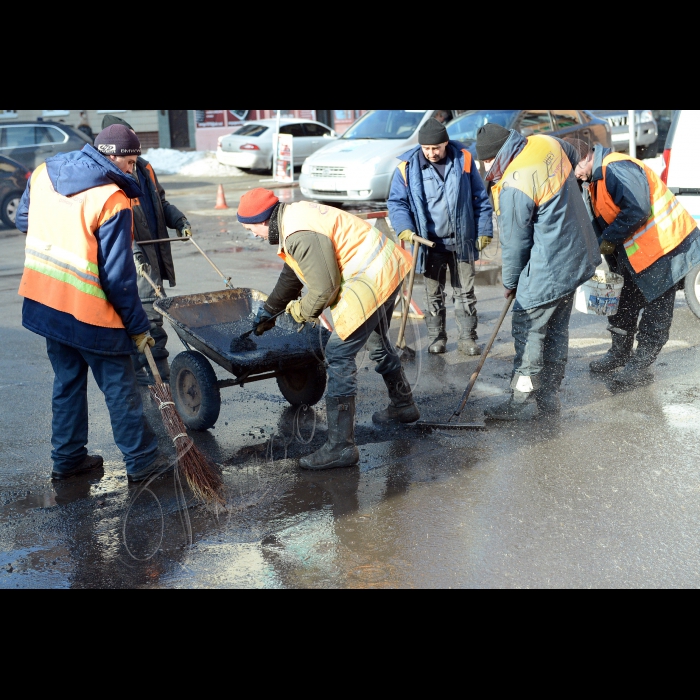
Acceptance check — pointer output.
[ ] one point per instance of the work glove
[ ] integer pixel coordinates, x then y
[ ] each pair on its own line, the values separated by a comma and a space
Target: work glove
185, 229
294, 310
142, 340
264, 321
482, 242
141, 265
407, 236
607, 248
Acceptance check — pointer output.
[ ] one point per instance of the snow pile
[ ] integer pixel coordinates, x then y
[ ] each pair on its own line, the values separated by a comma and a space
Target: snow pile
166, 161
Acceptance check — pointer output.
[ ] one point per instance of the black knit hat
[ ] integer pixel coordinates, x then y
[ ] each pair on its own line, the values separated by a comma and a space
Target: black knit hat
111, 119
117, 140
490, 140
433, 133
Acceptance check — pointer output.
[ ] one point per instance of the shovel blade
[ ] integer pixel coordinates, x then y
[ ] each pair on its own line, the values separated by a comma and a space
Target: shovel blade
407, 354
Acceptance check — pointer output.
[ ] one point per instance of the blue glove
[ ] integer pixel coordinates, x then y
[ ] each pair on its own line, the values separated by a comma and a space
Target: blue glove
264, 321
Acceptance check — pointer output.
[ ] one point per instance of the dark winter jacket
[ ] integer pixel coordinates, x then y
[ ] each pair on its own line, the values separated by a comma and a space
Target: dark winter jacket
469, 210
628, 186
153, 216
549, 246
71, 174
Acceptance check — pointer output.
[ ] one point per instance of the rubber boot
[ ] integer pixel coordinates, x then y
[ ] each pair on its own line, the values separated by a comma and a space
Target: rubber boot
467, 333
89, 464
618, 355
636, 372
514, 408
402, 408
436, 333
340, 449
547, 396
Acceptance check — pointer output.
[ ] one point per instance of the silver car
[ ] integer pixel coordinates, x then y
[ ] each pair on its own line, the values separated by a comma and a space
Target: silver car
250, 147
647, 133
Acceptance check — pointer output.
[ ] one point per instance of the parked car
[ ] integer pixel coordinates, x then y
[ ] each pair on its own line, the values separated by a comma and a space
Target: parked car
31, 143
13, 182
529, 122
681, 175
646, 130
361, 164
250, 147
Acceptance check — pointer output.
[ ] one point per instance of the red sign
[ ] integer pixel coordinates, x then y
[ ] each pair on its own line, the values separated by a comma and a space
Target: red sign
210, 118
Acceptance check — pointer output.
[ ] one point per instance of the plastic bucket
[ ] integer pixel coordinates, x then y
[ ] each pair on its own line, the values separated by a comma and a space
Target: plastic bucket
600, 296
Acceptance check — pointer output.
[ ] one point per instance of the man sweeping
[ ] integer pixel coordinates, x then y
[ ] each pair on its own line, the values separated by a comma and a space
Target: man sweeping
351, 267
79, 289
650, 239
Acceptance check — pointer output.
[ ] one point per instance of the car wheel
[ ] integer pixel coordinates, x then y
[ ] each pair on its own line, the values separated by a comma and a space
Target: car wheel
692, 290
8, 210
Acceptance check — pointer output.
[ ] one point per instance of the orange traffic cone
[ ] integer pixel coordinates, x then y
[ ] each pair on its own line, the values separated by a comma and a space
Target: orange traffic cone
221, 199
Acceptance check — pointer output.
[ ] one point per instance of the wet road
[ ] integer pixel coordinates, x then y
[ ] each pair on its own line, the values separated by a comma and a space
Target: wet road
605, 497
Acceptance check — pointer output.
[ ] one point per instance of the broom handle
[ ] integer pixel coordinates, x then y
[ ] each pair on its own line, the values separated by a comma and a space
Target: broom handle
487, 350
152, 364
417, 240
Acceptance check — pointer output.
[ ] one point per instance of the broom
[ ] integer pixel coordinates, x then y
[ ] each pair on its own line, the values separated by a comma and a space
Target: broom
202, 475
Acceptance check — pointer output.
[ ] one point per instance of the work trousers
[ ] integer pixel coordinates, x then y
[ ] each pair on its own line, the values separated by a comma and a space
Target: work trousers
462, 277
541, 338
341, 355
158, 332
115, 378
654, 327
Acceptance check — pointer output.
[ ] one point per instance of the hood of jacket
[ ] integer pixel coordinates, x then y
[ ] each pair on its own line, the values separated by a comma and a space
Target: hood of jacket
511, 149
78, 171
600, 153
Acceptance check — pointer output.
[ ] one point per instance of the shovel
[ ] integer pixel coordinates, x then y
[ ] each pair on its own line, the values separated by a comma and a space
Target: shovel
449, 425
405, 352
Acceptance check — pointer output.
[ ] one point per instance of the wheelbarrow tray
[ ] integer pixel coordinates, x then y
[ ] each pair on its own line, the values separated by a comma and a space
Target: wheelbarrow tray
209, 322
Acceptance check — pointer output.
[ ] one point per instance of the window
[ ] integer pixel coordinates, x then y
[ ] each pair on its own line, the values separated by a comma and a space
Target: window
316, 130
566, 118
8, 114
17, 137
535, 121
50, 113
296, 130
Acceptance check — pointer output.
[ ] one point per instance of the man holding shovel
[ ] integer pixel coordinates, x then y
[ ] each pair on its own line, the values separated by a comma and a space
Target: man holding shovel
153, 216
354, 269
437, 193
549, 249
79, 289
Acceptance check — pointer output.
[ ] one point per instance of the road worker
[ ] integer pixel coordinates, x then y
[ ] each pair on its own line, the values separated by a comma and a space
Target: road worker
351, 267
437, 192
548, 247
153, 216
650, 239
79, 289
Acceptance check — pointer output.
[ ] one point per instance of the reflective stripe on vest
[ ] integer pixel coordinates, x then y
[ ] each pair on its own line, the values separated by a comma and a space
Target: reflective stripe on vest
61, 257
467, 165
371, 265
667, 227
540, 171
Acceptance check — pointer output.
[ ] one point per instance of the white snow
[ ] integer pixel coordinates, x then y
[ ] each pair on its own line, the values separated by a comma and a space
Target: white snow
167, 161
656, 164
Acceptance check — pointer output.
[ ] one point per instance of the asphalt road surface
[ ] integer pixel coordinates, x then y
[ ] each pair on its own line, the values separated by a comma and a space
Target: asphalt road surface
605, 497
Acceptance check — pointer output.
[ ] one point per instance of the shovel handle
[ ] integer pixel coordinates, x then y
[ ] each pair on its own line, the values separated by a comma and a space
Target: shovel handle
485, 354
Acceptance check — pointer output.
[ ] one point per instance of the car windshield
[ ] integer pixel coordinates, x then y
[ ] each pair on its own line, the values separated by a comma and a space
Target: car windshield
386, 124
464, 128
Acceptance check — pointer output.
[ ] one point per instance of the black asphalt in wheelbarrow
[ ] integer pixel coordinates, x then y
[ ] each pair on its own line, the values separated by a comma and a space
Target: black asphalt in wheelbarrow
208, 323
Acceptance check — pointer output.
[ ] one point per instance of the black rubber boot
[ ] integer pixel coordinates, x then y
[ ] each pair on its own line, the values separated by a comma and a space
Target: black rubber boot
547, 396
90, 463
514, 408
467, 333
618, 355
636, 372
340, 449
402, 408
437, 333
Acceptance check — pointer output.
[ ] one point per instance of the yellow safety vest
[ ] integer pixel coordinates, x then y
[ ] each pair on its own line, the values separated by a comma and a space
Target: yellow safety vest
61, 264
371, 265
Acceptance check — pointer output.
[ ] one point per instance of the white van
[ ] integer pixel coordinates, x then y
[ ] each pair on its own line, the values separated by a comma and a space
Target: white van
681, 174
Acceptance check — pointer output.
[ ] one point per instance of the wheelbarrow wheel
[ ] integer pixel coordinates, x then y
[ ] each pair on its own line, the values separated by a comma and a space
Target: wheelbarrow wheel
195, 390
304, 386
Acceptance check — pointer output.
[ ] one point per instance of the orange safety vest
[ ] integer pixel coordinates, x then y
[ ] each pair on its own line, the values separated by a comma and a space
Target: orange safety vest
667, 227
539, 171
467, 165
61, 266
371, 265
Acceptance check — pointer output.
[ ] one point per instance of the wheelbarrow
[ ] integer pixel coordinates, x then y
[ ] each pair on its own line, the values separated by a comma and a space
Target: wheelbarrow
208, 323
